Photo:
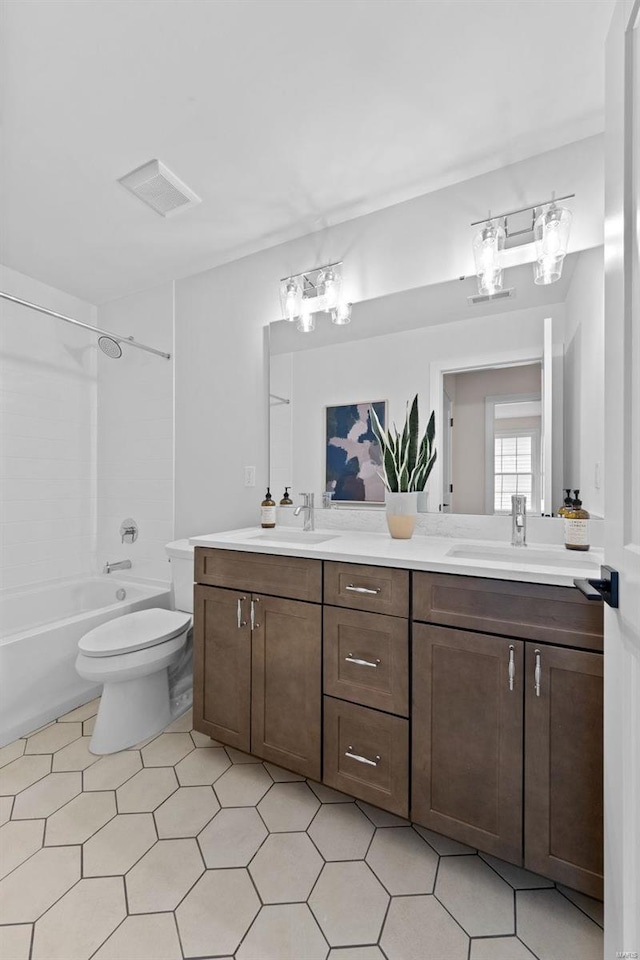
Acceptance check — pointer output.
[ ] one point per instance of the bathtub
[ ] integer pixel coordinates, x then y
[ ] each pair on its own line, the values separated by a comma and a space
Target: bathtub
39, 632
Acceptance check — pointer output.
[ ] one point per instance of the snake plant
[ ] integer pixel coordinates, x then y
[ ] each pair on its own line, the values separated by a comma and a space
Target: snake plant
407, 462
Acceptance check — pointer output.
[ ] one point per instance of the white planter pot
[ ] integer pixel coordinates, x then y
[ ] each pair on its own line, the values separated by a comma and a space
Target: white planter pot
402, 509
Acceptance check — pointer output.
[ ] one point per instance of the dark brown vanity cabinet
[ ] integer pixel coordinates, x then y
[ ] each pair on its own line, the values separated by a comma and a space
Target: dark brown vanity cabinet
258, 659
497, 740
507, 729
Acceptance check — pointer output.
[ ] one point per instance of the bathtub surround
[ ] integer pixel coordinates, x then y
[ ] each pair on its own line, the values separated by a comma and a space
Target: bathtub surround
48, 380
135, 435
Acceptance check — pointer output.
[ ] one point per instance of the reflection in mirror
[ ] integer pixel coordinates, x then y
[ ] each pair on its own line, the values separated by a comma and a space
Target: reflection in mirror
492, 417
521, 378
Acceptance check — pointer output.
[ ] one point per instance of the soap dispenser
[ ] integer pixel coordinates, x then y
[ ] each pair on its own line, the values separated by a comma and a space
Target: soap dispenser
576, 525
286, 499
268, 511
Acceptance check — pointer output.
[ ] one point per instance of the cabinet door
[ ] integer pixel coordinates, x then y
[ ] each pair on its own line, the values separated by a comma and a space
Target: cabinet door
222, 666
287, 682
563, 767
467, 738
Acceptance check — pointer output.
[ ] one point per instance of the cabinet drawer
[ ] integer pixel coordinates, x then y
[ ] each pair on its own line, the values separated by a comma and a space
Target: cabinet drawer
530, 611
294, 577
366, 754
366, 659
377, 589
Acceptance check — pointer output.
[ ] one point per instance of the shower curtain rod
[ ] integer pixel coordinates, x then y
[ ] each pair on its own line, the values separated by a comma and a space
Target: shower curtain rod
86, 326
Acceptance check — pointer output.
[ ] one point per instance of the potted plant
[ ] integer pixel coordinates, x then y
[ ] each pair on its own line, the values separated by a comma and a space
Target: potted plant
407, 463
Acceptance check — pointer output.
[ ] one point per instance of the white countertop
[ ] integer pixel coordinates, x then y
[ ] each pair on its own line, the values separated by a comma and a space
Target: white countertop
551, 564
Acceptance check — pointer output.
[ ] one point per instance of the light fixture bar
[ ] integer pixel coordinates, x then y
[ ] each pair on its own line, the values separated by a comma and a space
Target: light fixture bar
530, 206
307, 273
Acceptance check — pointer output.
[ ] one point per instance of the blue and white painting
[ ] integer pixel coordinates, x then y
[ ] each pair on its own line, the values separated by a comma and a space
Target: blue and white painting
354, 458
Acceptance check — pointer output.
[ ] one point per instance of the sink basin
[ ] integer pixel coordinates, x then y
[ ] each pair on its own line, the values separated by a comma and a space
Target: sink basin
293, 536
518, 555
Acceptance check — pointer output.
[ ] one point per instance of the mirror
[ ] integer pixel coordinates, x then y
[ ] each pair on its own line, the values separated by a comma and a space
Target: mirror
516, 386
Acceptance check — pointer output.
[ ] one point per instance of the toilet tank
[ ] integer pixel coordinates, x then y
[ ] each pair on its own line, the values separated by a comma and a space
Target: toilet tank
181, 557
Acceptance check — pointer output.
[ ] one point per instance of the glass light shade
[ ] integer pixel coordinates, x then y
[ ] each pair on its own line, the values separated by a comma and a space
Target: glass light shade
342, 314
487, 247
330, 285
291, 294
551, 236
306, 320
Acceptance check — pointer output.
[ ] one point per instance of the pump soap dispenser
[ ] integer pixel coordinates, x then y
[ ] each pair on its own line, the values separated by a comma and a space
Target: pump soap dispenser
268, 511
576, 525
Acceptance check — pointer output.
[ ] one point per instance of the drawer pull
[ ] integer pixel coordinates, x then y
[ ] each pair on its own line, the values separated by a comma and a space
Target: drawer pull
362, 663
512, 666
353, 589
241, 623
537, 672
356, 756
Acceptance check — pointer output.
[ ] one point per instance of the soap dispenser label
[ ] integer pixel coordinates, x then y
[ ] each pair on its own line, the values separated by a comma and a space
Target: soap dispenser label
576, 532
268, 515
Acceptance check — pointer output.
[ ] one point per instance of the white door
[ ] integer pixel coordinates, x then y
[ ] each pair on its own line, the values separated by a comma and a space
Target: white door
622, 484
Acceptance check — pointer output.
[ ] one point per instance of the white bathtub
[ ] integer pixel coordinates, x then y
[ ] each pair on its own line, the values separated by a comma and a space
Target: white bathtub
40, 628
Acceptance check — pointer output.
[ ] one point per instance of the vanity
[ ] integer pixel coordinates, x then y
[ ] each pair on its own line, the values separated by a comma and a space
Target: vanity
461, 692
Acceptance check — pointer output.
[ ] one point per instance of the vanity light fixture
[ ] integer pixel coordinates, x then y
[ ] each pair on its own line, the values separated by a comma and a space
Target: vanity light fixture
537, 234
319, 290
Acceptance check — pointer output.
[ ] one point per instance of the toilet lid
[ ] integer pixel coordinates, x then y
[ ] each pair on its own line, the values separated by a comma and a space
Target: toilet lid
134, 631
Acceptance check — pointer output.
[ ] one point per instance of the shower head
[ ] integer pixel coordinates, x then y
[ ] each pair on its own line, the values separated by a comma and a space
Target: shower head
110, 347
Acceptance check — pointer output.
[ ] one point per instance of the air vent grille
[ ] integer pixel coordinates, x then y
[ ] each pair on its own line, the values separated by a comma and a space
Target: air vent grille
508, 294
159, 188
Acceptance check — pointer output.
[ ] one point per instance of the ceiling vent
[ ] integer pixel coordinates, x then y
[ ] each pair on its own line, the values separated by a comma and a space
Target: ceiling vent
155, 185
500, 295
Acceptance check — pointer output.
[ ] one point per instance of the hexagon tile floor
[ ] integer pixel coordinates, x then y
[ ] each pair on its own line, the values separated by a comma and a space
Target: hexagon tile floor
182, 848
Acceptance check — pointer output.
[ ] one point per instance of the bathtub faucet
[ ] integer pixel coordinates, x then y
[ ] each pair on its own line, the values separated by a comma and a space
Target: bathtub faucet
120, 565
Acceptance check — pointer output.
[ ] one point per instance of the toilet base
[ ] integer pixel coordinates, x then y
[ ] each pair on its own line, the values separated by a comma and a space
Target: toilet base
131, 711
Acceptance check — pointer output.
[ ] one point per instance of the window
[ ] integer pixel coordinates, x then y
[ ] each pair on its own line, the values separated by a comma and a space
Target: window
516, 469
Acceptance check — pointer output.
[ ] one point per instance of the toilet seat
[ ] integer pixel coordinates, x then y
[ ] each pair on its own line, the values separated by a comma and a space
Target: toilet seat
134, 631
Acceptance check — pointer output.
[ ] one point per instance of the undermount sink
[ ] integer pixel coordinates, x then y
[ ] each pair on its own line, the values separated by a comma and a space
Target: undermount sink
516, 555
293, 536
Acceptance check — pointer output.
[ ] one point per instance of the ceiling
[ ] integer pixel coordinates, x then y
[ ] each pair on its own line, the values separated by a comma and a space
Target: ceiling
284, 117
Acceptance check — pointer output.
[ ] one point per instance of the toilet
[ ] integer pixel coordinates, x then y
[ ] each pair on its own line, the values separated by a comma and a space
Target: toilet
143, 660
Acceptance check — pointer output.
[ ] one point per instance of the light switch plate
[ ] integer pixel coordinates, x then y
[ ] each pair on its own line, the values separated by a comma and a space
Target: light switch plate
249, 476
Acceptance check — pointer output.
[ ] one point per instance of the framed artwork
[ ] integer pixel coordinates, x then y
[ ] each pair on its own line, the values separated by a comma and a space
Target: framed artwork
353, 457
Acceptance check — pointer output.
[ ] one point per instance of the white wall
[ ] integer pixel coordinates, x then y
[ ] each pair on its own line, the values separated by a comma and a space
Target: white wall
135, 434
221, 402
48, 414
584, 382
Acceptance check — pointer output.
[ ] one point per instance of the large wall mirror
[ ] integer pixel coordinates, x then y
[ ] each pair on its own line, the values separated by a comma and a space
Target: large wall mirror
516, 386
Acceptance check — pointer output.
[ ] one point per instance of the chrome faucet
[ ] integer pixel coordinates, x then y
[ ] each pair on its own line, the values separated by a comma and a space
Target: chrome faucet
120, 565
518, 520
307, 506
